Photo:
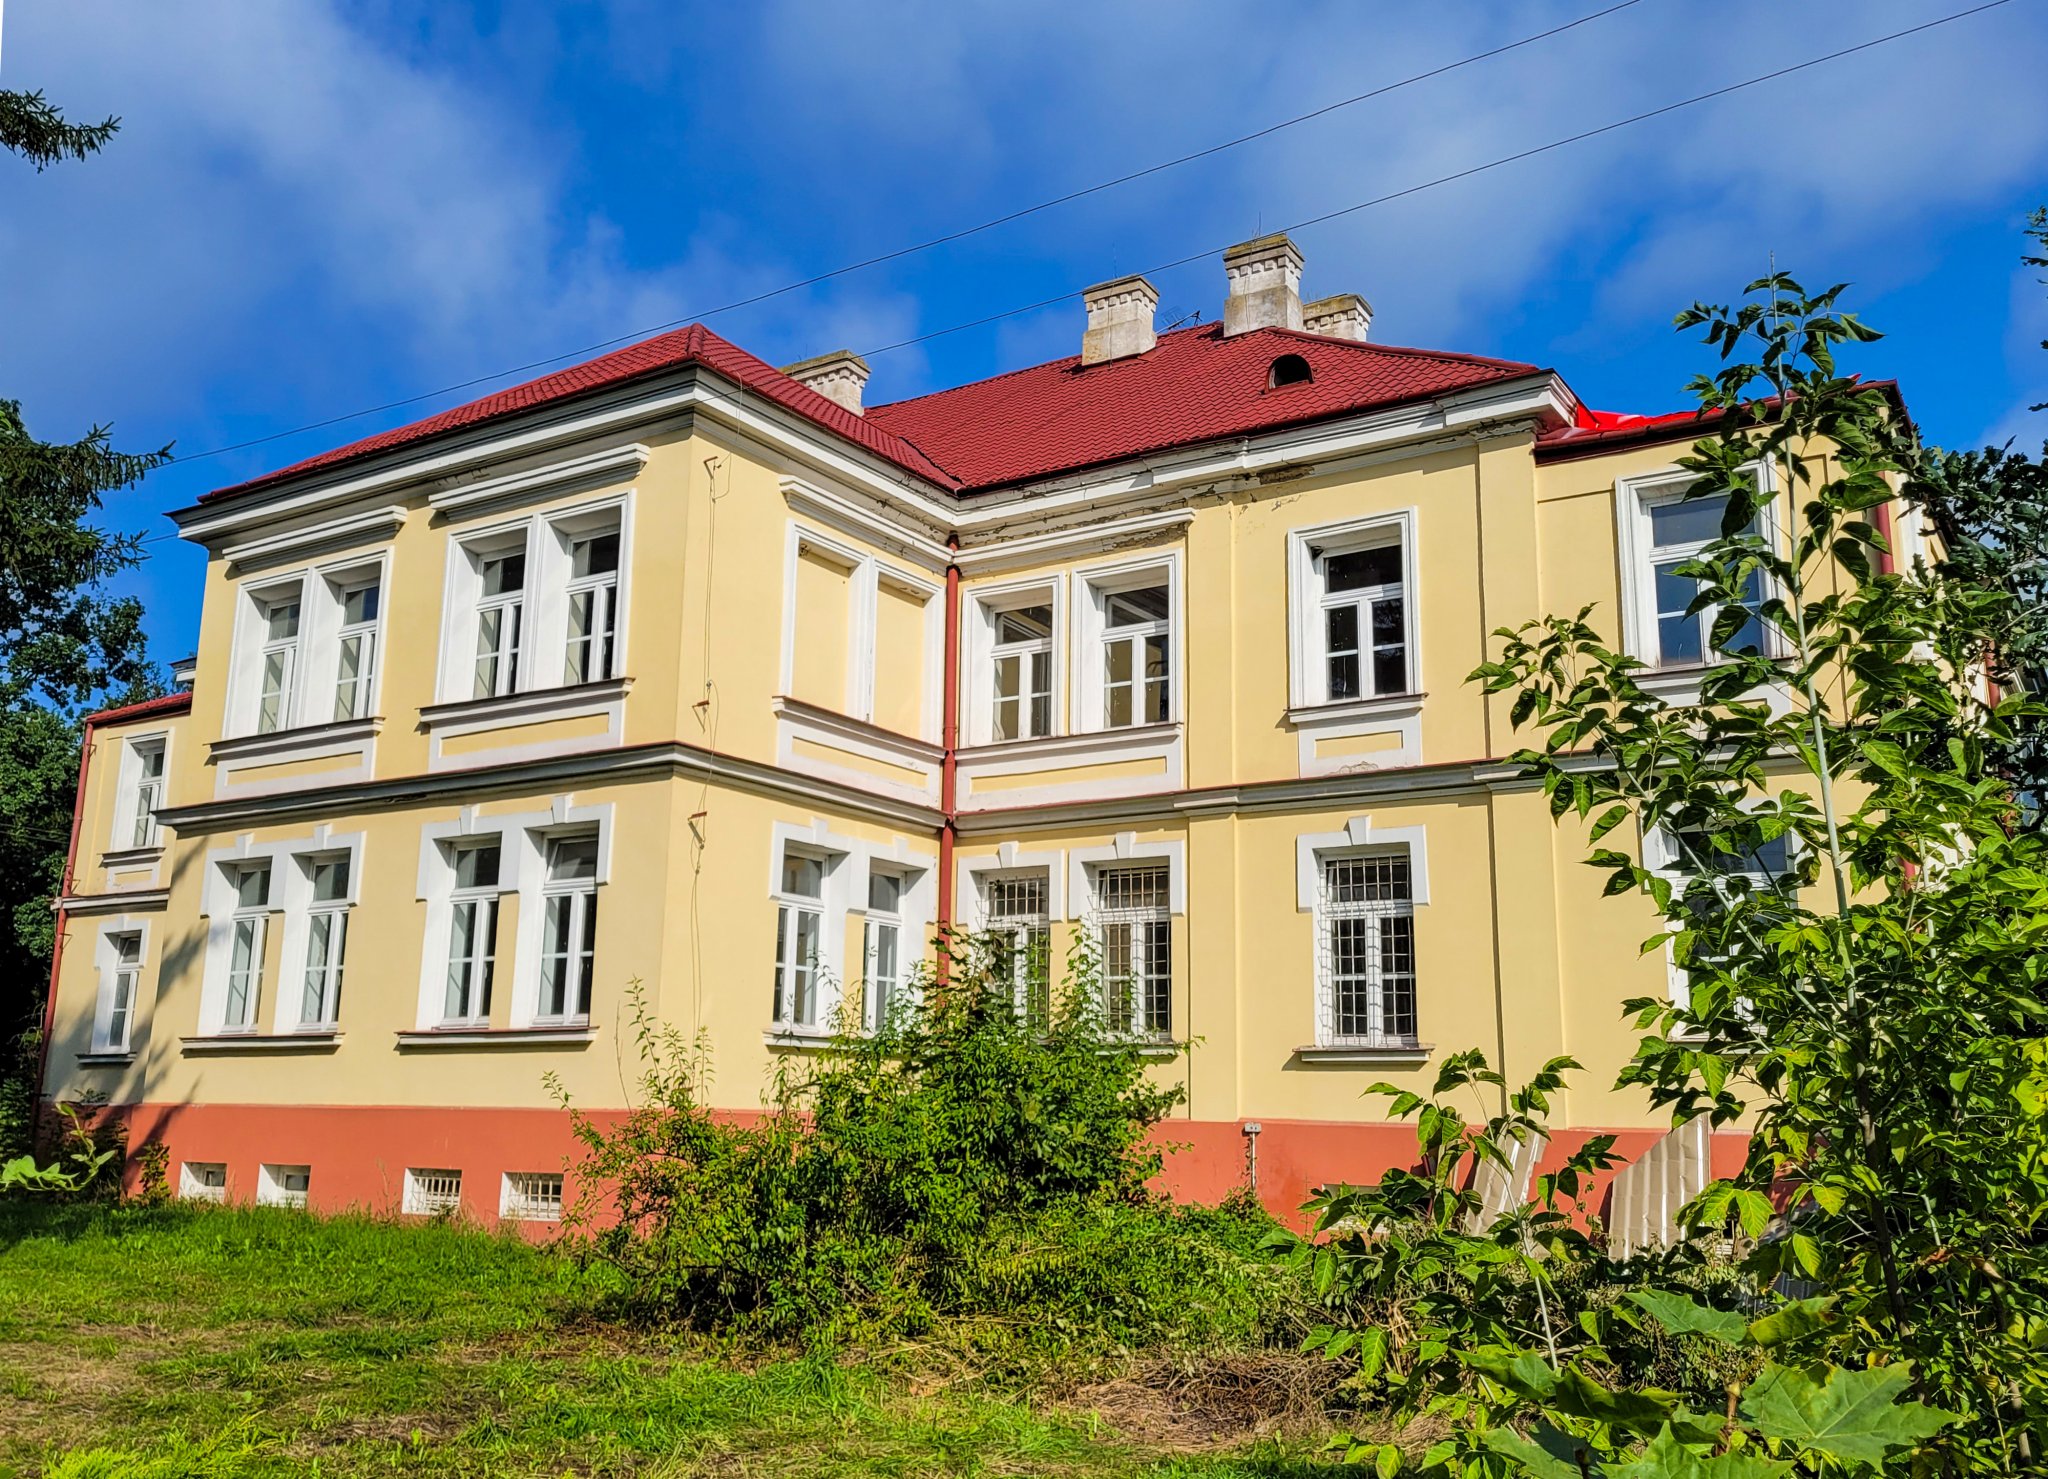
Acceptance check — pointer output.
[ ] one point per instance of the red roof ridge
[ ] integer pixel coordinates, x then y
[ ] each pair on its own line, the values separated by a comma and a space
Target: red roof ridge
1073, 360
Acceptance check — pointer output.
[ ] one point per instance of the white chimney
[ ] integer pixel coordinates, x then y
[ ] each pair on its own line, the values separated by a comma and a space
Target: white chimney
1265, 285
839, 376
1119, 319
1345, 316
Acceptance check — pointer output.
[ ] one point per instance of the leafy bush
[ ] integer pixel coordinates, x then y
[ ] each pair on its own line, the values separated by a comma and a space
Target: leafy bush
969, 1159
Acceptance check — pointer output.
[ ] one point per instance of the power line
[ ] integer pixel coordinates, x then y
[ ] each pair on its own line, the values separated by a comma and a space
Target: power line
1479, 169
937, 241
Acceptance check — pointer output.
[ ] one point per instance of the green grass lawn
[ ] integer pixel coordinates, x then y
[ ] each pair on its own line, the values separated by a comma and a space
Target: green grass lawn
200, 1341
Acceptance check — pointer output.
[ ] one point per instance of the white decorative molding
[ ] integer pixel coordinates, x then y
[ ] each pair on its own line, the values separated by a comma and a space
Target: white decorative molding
151, 899
516, 711
1359, 832
1125, 848
1399, 715
974, 767
796, 720
1096, 538
883, 528
235, 760
370, 526
263, 1042
1391, 1056
494, 1037
465, 493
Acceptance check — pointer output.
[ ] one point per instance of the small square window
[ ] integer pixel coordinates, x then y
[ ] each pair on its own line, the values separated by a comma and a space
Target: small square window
477, 865
203, 1181
571, 859
432, 1193
803, 875
531, 1196
283, 1186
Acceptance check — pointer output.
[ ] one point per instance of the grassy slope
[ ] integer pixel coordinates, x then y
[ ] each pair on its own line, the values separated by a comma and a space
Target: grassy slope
248, 1342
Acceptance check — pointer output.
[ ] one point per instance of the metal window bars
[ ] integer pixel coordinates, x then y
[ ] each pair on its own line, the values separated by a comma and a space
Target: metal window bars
1366, 952
1134, 925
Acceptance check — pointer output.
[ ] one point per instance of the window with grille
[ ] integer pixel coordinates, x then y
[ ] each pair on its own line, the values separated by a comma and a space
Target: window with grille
593, 607
1366, 928
1022, 673
1135, 926
279, 668
146, 791
326, 941
432, 1193
473, 932
500, 617
1020, 930
247, 928
568, 929
203, 1181
124, 975
531, 1196
283, 1186
799, 939
356, 651
884, 946
1706, 880
1136, 676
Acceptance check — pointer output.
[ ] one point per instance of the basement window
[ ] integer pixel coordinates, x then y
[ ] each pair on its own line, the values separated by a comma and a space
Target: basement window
432, 1193
282, 1186
203, 1181
1289, 369
531, 1196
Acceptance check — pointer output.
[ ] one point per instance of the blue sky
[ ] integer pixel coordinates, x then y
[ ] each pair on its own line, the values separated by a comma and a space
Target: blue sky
314, 208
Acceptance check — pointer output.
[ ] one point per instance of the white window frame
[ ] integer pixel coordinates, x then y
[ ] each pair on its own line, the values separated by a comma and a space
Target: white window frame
196, 1183
579, 897
288, 909
432, 1191
316, 650
793, 975
531, 1196
135, 824
1661, 856
484, 902
253, 922
1382, 915
1308, 598
120, 985
290, 651
982, 652
323, 929
1634, 498
884, 932
1359, 836
545, 538
274, 1188
1028, 933
1150, 959
1092, 634
600, 641
367, 635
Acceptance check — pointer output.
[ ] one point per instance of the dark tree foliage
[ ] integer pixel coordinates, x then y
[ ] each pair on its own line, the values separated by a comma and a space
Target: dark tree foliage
66, 645
33, 128
1993, 507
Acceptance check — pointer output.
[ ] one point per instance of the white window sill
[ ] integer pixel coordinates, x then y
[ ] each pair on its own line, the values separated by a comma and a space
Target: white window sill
1392, 705
800, 1039
132, 857
1051, 746
565, 1035
287, 743
110, 1058
1159, 1048
1359, 1053
528, 704
312, 1040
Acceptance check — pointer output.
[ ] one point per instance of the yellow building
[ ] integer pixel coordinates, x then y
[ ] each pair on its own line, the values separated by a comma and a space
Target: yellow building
679, 670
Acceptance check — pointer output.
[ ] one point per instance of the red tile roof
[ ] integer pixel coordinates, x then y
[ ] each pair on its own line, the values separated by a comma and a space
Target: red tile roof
695, 345
1603, 431
163, 703
1194, 386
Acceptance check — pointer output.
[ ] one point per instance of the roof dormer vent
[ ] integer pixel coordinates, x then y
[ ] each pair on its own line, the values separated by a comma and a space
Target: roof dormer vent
1289, 369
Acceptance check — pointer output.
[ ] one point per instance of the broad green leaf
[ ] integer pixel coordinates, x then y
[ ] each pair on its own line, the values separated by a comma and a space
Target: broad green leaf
1540, 1461
1640, 1411
1683, 1316
1372, 1352
1856, 1416
1522, 1372
1388, 1464
1668, 1458
1791, 1321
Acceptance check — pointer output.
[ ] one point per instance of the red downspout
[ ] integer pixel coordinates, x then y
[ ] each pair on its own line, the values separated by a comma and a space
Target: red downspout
949, 736
57, 942
1887, 560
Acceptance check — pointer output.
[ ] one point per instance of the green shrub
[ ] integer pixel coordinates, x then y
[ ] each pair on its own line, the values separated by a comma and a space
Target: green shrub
968, 1159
